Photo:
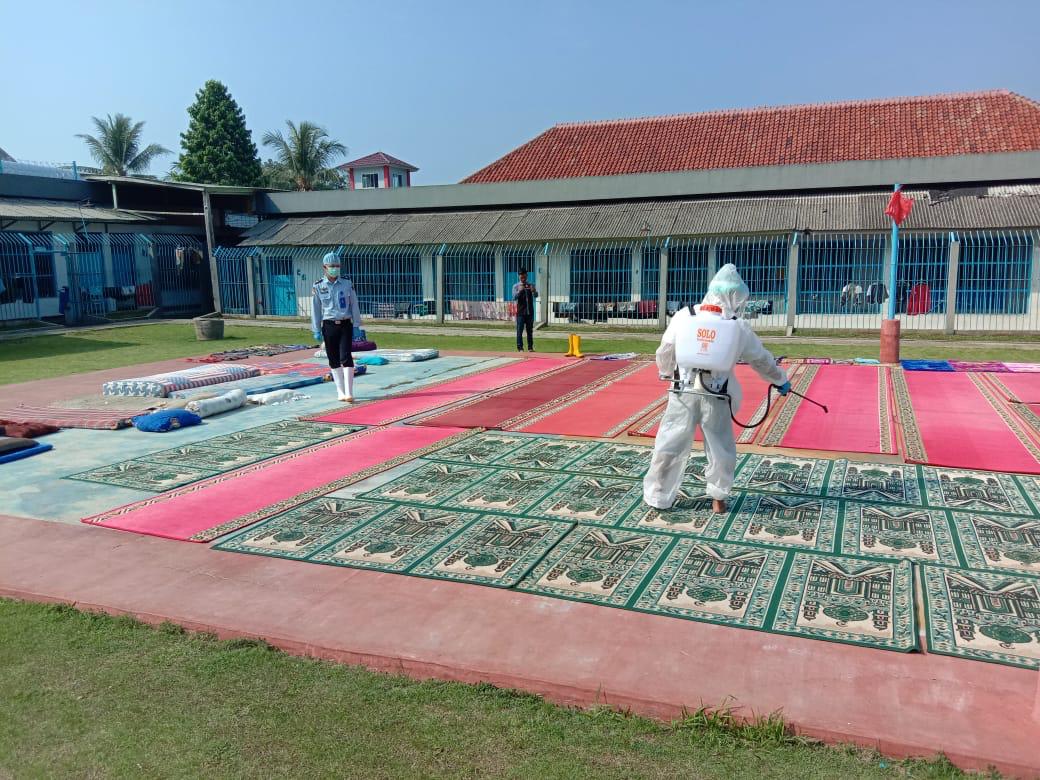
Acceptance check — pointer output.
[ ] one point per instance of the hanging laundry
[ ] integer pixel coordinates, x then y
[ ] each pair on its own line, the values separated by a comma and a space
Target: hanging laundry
919, 300
877, 293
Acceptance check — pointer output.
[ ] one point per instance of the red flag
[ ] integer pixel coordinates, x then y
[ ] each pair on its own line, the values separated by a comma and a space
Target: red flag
899, 206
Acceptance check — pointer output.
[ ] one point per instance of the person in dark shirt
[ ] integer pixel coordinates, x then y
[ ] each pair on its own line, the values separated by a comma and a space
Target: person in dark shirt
524, 294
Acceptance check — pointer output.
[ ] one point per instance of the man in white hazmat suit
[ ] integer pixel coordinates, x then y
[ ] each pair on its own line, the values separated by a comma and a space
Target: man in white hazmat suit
687, 410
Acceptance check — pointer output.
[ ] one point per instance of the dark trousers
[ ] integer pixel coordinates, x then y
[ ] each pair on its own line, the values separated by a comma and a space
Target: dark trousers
524, 321
338, 336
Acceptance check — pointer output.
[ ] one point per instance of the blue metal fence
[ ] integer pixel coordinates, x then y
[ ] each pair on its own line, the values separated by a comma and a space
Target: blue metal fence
19, 296
234, 278
994, 274
841, 281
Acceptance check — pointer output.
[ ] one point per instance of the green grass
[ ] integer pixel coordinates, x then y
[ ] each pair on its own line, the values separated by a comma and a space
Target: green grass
85, 695
40, 357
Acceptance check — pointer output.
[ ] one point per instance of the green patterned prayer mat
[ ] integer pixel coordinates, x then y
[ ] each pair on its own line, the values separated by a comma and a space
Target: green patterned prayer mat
898, 532
431, 484
690, 514
168, 469
885, 482
1003, 543
396, 540
598, 565
590, 499
510, 491
715, 582
493, 550
974, 490
788, 521
783, 474
807, 547
984, 616
615, 460
847, 599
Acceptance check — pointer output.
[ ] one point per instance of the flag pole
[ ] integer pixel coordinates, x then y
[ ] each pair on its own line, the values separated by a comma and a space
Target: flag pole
893, 264
890, 325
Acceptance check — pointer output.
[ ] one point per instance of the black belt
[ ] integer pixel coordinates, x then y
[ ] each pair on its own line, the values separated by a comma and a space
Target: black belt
336, 322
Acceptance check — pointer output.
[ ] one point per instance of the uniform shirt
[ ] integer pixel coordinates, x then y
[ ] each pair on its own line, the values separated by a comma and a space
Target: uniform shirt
524, 298
334, 301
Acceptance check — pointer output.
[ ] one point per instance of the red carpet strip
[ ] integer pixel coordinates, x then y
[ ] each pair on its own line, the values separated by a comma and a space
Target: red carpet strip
607, 409
451, 391
513, 407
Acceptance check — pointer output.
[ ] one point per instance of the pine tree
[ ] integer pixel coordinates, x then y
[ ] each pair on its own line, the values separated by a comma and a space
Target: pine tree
217, 147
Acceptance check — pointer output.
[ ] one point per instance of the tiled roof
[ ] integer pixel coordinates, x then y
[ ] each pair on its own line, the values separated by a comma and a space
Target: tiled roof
892, 128
379, 158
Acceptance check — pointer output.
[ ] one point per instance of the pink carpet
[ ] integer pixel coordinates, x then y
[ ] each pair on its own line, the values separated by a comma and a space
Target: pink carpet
399, 407
205, 510
606, 410
751, 408
860, 418
959, 420
1024, 387
515, 406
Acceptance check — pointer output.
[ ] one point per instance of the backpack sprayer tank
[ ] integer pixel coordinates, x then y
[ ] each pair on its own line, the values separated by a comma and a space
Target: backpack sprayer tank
708, 342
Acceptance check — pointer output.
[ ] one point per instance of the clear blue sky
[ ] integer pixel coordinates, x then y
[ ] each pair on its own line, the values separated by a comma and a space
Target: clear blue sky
450, 86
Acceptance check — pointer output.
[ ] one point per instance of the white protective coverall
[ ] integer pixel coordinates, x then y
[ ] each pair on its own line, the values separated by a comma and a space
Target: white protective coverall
686, 411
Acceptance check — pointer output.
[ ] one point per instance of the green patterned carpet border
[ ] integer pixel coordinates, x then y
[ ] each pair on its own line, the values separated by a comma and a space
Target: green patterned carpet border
178, 466
813, 548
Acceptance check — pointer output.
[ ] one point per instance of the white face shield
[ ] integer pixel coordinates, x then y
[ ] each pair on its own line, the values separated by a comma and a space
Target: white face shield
728, 290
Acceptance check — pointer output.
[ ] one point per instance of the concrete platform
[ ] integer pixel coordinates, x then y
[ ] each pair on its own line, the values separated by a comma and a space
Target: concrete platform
979, 714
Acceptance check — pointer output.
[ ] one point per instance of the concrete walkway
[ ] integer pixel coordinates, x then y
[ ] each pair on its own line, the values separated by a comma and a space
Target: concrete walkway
904, 704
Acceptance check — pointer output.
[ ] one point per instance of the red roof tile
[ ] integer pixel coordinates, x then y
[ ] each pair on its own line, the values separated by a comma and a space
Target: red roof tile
379, 158
892, 128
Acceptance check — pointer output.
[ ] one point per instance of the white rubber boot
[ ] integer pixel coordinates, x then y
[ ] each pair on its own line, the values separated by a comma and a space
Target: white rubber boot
337, 377
349, 371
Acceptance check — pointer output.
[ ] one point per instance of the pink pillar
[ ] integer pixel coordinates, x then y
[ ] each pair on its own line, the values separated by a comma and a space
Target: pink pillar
350, 173
889, 341
386, 176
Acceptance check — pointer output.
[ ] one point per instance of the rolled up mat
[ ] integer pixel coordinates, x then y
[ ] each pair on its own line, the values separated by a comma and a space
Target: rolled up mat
274, 397
28, 452
14, 443
224, 403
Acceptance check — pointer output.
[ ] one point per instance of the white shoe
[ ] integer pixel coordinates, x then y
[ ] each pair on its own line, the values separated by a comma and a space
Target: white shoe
348, 380
341, 390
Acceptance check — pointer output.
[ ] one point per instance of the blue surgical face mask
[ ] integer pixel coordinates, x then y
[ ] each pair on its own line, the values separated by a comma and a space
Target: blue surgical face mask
332, 272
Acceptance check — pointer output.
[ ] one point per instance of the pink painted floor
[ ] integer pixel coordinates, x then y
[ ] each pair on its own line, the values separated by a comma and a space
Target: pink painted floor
979, 714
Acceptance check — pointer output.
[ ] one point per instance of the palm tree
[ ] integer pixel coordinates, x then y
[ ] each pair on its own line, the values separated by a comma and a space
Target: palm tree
306, 156
117, 147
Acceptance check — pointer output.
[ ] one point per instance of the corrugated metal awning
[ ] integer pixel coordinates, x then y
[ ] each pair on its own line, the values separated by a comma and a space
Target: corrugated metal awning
992, 209
64, 211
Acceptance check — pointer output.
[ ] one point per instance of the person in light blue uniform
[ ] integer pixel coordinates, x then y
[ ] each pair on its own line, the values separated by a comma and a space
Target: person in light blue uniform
334, 312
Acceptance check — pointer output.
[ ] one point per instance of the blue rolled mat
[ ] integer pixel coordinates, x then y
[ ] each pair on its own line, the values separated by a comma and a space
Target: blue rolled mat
28, 452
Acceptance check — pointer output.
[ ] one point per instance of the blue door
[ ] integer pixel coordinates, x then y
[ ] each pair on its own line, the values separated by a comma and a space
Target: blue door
282, 287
